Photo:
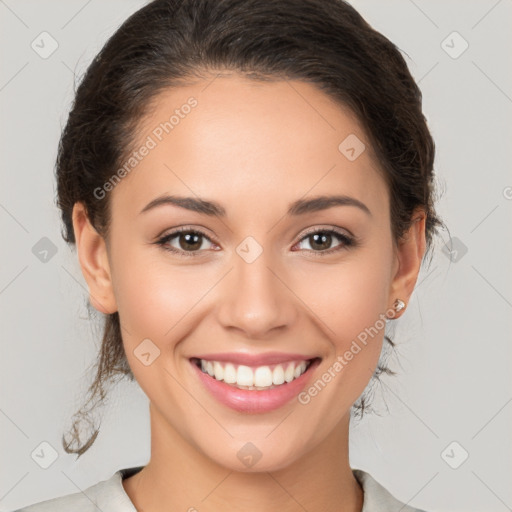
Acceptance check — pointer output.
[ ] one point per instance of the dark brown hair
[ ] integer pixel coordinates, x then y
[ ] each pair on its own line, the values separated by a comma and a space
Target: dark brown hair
168, 43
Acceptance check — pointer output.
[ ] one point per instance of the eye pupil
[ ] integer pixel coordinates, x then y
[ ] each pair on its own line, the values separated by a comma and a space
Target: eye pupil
319, 238
189, 244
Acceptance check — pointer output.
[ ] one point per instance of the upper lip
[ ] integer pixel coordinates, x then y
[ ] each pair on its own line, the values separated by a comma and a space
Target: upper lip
246, 359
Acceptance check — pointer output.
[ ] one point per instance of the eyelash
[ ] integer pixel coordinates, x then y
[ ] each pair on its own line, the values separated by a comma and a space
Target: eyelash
347, 241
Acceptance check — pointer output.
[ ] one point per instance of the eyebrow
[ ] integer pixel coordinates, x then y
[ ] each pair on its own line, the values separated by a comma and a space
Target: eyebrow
299, 207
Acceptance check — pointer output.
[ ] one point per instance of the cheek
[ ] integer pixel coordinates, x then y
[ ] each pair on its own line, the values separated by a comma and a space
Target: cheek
350, 300
154, 297
350, 303
349, 297
156, 302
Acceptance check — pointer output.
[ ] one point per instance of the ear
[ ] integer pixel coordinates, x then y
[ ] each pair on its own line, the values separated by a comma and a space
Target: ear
92, 254
409, 254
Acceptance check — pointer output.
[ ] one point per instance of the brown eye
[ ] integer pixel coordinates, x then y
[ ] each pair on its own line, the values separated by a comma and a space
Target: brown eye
189, 242
321, 241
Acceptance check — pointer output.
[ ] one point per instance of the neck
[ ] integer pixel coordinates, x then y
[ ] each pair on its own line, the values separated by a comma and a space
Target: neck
179, 477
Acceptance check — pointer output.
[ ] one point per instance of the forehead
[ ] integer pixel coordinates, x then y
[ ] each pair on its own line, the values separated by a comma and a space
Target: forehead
249, 143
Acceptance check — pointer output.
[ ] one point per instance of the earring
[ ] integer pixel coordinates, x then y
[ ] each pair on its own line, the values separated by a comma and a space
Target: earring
399, 305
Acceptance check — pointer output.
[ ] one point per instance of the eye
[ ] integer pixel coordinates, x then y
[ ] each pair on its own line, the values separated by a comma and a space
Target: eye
320, 241
189, 241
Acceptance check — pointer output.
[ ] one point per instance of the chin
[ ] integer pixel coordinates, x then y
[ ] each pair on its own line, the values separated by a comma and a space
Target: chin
253, 457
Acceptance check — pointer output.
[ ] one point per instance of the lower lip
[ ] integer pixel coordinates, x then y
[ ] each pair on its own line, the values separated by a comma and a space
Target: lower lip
255, 401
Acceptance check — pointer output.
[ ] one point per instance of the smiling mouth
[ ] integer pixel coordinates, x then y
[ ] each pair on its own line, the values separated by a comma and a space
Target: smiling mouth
261, 377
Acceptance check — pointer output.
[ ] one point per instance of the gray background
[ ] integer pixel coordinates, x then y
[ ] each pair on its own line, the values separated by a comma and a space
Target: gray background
454, 354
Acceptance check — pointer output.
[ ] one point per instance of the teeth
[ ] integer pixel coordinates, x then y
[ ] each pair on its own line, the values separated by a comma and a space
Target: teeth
298, 371
263, 377
289, 373
229, 374
246, 377
278, 375
219, 371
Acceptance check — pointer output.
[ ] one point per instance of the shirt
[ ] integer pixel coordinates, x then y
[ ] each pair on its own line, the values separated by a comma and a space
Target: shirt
109, 496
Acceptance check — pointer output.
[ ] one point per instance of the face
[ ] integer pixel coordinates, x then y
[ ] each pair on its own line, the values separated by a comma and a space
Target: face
252, 273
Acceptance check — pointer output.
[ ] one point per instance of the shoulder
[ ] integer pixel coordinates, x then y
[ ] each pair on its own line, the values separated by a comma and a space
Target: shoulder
377, 498
108, 495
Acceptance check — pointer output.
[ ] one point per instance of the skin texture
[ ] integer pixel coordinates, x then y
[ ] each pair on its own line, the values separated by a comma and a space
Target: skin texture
254, 148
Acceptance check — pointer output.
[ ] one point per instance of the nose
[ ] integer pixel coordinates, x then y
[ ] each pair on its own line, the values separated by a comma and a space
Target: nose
255, 299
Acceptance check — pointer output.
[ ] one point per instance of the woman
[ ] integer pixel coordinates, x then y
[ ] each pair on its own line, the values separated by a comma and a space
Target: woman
249, 185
